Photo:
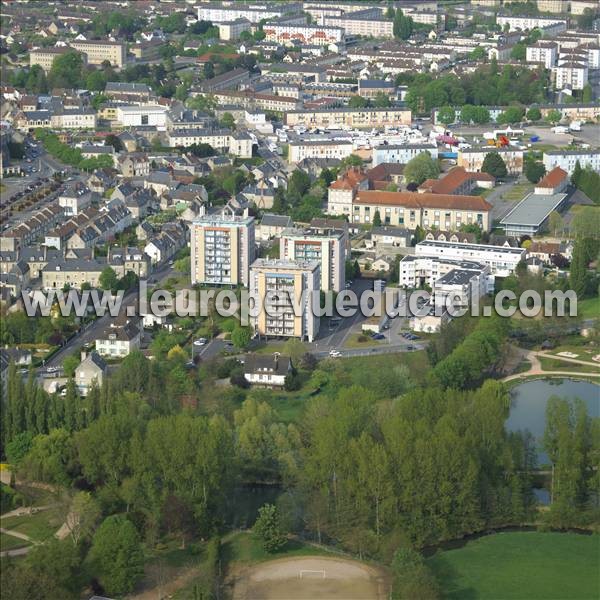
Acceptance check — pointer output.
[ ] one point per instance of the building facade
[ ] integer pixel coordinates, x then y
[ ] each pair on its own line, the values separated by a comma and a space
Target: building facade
285, 289
222, 249
327, 247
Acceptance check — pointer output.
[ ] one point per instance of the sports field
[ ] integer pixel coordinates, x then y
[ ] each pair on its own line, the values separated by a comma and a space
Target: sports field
521, 565
314, 577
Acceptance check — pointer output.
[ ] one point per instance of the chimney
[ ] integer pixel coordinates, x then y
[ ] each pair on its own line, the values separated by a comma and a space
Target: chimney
83, 355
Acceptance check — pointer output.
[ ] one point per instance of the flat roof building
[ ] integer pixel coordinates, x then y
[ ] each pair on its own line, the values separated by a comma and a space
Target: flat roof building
530, 215
222, 249
281, 285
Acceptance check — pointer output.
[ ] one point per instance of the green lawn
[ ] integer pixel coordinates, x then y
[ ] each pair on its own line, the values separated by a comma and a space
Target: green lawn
246, 548
521, 566
8, 542
589, 308
518, 191
39, 527
364, 368
555, 364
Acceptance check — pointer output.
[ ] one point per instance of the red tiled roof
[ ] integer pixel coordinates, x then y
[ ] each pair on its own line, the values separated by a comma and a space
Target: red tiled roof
552, 179
453, 180
349, 180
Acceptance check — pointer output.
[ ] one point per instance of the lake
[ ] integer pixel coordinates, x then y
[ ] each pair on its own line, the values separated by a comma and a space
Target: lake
528, 409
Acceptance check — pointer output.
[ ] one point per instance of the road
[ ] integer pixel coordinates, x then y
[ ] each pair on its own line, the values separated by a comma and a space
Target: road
89, 333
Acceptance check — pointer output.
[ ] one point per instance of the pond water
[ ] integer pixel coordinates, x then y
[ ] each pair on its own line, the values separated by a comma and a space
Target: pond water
528, 409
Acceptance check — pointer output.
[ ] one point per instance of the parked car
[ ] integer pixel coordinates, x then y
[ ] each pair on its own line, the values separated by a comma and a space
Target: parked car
200, 342
334, 353
378, 336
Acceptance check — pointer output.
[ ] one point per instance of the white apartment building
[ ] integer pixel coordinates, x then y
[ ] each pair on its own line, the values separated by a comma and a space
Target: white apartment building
74, 118
231, 30
401, 153
517, 22
328, 247
288, 35
553, 6
349, 118
238, 144
567, 159
222, 249
137, 116
280, 284
578, 6
543, 52
298, 151
571, 75
501, 260
368, 27
231, 11
471, 159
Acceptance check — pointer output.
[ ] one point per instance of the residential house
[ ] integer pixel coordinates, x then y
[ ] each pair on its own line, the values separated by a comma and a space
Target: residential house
91, 371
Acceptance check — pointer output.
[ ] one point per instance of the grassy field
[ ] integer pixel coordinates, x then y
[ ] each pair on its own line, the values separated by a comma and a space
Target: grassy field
518, 191
245, 548
589, 308
521, 565
39, 527
361, 340
554, 364
8, 542
363, 368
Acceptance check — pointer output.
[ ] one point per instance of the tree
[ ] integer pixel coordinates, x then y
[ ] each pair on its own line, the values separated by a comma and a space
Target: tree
403, 26
576, 175
108, 279
241, 337
556, 223
70, 363
586, 19
534, 114
420, 168
376, 219
67, 70
382, 100
114, 141
358, 102
446, 115
578, 272
95, 81
513, 114
587, 94
116, 555
268, 528
518, 51
228, 121
534, 170
208, 70
554, 116
494, 164
477, 54
298, 186
82, 517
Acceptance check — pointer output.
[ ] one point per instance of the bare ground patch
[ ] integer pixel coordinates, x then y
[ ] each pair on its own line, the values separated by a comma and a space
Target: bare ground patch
314, 578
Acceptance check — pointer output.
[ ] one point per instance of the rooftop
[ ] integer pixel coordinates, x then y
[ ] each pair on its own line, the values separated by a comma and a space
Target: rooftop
533, 210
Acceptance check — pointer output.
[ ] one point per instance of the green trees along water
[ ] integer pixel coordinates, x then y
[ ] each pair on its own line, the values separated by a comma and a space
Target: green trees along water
572, 441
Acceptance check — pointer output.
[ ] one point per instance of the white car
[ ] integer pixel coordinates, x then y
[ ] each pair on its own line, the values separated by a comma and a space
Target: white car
334, 353
52, 369
200, 342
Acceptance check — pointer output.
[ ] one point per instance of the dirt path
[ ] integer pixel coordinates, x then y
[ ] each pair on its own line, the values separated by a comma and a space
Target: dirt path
536, 366
17, 534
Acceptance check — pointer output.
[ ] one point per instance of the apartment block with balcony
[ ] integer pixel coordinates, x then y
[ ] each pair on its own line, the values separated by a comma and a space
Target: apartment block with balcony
326, 246
222, 249
285, 289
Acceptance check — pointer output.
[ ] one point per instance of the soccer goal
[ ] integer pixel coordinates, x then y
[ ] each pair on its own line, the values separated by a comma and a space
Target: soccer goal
307, 573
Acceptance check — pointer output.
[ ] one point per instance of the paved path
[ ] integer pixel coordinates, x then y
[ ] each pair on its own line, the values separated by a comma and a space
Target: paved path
17, 534
536, 366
